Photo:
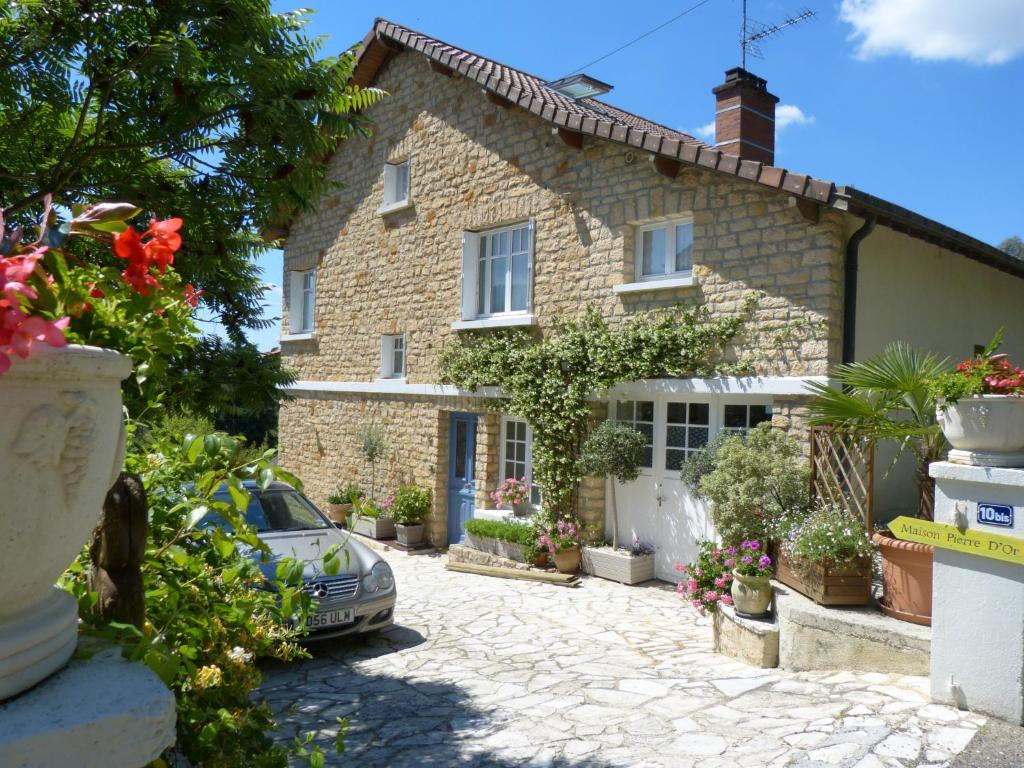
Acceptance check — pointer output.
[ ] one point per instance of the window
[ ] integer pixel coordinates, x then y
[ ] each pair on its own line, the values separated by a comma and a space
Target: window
392, 361
396, 184
739, 419
517, 454
687, 428
302, 301
496, 271
664, 249
640, 415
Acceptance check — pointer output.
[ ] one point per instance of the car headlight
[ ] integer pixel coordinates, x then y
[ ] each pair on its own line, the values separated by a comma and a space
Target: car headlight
380, 578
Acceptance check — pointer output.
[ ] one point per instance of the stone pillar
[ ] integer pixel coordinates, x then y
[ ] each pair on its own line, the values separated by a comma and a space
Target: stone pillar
977, 655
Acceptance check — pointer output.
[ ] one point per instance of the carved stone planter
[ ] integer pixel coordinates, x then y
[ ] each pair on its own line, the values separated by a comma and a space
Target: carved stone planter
618, 565
62, 439
987, 430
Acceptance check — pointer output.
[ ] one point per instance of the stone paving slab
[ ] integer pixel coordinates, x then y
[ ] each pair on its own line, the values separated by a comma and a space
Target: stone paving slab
490, 672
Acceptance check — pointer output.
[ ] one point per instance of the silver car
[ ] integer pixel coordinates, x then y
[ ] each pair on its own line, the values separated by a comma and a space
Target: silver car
360, 598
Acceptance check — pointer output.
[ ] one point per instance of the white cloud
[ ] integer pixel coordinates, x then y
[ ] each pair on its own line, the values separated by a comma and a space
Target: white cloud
980, 31
790, 114
706, 131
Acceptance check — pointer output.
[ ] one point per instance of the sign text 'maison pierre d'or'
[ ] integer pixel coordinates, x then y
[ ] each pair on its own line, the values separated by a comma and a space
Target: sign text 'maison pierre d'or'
971, 540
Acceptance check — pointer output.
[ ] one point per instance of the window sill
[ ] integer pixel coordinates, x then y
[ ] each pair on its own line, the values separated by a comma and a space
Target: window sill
396, 380
664, 284
298, 336
401, 205
499, 321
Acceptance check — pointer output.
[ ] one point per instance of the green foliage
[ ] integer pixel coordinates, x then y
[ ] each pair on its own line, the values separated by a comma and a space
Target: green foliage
504, 530
1013, 246
210, 612
550, 381
350, 493
613, 450
372, 445
756, 481
701, 463
985, 374
412, 504
220, 113
828, 535
706, 581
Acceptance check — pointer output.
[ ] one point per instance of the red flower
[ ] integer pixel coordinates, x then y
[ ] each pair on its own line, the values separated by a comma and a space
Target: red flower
192, 295
153, 248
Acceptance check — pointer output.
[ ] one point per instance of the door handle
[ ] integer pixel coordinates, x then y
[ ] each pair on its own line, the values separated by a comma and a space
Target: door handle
657, 494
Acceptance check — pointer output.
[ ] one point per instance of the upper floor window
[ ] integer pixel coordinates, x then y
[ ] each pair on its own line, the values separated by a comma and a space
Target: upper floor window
302, 301
392, 363
497, 268
664, 249
396, 184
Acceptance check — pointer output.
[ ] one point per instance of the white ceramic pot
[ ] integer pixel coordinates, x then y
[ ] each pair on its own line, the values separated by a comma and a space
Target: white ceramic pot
62, 443
987, 430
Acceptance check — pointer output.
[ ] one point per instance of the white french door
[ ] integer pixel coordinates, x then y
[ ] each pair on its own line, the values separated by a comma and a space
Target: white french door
659, 508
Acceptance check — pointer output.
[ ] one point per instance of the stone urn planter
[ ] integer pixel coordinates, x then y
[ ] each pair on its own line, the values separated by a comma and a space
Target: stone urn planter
751, 595
409, 534
338, 513
568, 560
906, 578
62, 441
618, 565
986, 430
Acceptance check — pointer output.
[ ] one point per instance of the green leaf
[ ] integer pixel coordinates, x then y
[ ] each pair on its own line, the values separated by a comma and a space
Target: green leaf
239, 497
266, 477
212, 445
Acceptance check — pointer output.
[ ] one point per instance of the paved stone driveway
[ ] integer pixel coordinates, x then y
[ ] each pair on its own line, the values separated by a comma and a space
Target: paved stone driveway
492, 672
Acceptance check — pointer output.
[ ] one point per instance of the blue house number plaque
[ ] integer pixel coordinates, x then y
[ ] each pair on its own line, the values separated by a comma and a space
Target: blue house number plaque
1000, 515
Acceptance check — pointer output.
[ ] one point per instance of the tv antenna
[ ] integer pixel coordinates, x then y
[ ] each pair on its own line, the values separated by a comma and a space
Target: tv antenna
754, 32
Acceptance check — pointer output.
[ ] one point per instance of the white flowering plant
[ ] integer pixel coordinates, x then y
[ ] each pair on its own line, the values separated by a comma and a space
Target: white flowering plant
829, 535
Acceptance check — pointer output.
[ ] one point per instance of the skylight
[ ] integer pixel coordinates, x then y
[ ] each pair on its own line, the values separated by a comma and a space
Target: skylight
579, 86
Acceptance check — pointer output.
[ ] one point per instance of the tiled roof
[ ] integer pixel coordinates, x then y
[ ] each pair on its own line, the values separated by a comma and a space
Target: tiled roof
672, 147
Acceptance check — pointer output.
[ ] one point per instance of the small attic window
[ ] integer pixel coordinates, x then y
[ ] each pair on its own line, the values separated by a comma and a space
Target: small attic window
579, 86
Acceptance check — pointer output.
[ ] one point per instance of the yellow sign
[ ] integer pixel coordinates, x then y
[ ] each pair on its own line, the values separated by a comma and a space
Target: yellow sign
971, 540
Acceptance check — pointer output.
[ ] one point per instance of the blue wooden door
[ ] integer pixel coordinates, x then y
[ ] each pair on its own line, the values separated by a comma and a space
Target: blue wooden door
461, 480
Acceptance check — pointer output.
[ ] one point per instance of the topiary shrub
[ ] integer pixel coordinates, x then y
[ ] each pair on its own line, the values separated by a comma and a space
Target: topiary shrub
756, 481
613, 450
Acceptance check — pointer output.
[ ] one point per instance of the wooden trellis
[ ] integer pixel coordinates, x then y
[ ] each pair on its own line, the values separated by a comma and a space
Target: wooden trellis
843, 471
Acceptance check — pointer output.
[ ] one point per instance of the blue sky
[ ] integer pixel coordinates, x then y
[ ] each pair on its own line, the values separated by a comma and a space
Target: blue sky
916, 101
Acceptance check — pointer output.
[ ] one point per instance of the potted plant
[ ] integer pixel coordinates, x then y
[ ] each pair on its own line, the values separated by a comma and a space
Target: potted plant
561, 540
826, 556
370, 519
981, 409
706, 582
751, 588
515, 495
411, 505
341, 501
372, 445
504, 538
891, 396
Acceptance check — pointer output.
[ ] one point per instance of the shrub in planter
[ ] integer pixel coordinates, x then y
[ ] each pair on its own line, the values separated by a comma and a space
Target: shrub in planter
626, 566
562, 541
756, 480
342, 500
410, 506
706, 582
504, 538
827, 556
371, 520
613, 450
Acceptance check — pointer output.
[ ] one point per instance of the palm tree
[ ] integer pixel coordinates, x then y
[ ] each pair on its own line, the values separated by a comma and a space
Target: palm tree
887, 398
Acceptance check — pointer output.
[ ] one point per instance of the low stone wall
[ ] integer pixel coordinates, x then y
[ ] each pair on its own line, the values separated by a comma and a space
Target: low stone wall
753, 642
460, 553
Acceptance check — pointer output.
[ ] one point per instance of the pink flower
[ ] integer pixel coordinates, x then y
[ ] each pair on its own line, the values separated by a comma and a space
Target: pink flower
730, 562
726, 600
697, 604
716, 554
693, 585
720, 582
710, 596
680, 567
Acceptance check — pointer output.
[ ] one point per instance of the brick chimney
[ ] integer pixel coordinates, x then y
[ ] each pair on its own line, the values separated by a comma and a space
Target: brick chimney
745, 117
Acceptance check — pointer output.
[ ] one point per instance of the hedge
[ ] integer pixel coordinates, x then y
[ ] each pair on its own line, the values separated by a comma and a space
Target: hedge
517, 533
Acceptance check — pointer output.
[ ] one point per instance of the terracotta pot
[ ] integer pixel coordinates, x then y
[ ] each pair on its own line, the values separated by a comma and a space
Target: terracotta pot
906, 578
339, 513
568, 560
751, 595
63, 440
541, 561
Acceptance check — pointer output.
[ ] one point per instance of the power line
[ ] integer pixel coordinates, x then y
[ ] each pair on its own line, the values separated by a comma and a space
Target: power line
648, 33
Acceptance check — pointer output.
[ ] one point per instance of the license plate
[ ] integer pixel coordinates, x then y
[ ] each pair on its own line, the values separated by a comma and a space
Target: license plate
330, 618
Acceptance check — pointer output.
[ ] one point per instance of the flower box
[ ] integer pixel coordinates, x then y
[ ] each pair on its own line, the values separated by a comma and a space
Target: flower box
827, 584
373, 527
618, 565
507, 549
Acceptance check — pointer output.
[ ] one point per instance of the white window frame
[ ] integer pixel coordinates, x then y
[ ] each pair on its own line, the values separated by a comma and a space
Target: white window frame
471, 265
747, 404
397, 199
387, 356
633, 422
503, 439
301, 294
670, 250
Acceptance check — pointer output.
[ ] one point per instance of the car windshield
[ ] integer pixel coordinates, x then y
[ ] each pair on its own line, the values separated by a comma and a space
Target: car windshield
271, 511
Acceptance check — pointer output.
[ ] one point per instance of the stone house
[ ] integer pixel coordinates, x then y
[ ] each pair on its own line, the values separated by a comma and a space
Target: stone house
490, 198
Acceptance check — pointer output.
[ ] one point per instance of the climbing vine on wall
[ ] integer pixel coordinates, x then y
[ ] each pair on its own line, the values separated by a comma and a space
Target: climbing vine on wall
551, 381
